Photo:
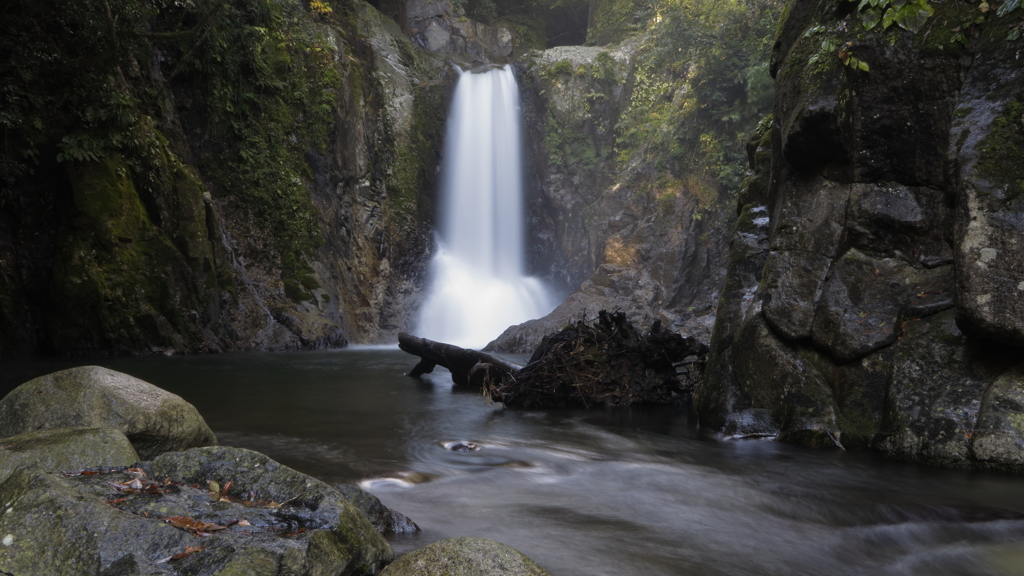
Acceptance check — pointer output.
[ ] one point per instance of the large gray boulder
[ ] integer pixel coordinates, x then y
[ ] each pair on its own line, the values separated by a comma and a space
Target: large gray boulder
154, 420
66, 449
465, 556
202, 512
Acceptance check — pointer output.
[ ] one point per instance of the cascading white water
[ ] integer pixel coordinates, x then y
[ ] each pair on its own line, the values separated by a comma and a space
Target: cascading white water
477, 282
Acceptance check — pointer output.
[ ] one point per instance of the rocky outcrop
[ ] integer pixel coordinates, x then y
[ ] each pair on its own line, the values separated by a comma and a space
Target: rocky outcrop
204, 511
465, 556
870, 296
442, 27
154, 421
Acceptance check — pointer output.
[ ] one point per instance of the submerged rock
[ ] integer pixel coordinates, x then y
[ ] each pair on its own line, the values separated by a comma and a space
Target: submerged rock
154, 420
465, 556
63, 449
206, 511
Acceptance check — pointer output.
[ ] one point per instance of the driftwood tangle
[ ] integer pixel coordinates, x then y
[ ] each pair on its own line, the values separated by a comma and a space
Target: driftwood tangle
605, 363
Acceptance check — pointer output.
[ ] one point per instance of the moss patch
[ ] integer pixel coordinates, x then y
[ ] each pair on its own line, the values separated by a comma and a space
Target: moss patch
1002, 151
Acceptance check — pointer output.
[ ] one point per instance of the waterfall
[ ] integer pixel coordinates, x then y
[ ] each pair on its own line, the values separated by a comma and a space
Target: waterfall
478, 286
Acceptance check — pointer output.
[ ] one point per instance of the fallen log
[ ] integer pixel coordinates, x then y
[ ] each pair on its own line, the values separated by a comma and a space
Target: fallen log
605, 363
461, 362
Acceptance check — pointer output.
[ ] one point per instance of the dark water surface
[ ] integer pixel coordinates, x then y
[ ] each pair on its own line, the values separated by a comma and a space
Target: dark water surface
618, 492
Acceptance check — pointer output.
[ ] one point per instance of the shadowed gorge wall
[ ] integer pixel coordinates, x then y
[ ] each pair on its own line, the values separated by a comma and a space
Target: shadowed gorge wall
874, 283
244, 174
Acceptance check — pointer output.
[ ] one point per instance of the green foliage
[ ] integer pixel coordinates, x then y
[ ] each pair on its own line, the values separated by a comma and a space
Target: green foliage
527, 31
567, 147
907, 14
272, 83
481, 9
64, 73
612, 20
702, 82
1008, 7
76, 80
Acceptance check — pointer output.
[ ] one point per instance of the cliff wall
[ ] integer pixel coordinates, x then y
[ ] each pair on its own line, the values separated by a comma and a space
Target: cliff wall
873, 294
208, 176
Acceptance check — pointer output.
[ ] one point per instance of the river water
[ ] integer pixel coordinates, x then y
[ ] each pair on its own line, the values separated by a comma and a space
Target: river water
616, 492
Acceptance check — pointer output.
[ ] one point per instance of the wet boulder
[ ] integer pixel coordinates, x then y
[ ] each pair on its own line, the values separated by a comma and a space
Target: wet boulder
63, 449
465, 556
206, 511
384, 519
154, 420
49, 528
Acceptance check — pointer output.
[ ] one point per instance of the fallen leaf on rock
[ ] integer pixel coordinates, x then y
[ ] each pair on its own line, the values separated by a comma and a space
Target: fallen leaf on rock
116, 500
244, 523
193, 526
219, 493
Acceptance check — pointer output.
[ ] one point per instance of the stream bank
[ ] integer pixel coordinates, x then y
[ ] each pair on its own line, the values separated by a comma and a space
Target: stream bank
589, 492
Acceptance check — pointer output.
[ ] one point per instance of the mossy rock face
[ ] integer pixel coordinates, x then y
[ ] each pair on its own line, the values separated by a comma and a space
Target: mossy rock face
154, 420
64, 449
166, 518
131, 275
465, 556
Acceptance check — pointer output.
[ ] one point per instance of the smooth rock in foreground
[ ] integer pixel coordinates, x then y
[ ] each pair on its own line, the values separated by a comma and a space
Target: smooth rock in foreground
66, 449
154, 420
465, 556
257, 518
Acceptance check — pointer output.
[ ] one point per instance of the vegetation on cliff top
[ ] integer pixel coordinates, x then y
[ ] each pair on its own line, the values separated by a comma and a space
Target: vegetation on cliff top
701, 83
81, 79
